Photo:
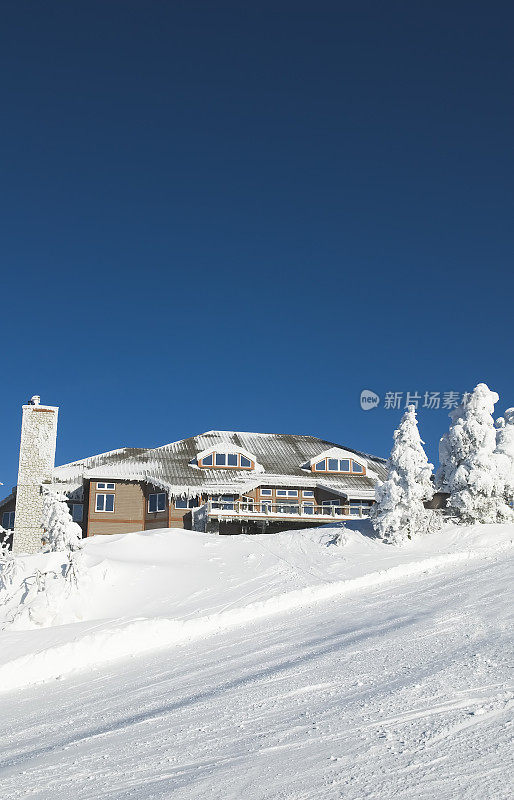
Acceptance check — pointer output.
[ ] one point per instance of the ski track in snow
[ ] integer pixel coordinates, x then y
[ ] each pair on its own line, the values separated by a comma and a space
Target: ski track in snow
400, 691
138, 636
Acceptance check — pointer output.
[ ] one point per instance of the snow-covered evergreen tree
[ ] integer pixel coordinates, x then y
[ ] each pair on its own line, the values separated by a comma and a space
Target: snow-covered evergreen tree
446, 454
505, 451
471, 471
61, 533
7, 562
399, 513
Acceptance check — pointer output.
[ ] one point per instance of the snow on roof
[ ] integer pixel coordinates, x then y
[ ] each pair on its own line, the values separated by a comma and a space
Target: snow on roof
281, 457
230, 447
71, 475
336, 452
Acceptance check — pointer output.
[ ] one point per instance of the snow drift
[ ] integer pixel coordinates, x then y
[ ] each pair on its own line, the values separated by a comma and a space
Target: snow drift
160, 589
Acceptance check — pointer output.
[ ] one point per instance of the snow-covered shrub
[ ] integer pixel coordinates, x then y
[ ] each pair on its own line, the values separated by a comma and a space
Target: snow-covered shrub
340, 537
472, 471
57, 593
399, 512
61, 533
505, 451
7, 562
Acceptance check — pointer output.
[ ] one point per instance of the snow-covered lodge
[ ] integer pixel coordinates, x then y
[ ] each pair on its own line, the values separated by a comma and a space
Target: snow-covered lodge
220, 481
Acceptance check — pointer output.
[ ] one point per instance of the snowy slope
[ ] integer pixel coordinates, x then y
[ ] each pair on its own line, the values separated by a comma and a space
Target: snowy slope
393, 690
159, 589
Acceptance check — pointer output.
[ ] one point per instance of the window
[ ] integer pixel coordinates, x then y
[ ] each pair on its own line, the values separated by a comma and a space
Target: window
287, 509
105, 502
287, 492
266, 492
182, 502
77, 512
338, 465
8, 520
225, 502
307, 493
105, 486
235, 460
156, 502
308, 508
356, 508
329, 504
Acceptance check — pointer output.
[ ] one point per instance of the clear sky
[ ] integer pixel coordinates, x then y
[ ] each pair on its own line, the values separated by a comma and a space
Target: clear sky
238, 215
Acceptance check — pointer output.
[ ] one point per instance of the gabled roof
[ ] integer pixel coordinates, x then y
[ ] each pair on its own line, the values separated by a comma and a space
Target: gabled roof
282, 456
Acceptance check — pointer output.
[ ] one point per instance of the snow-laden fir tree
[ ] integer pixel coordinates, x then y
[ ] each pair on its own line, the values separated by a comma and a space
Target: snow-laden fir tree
399, 513
61, 532
446, 455
471, 471
505, 451
7, 562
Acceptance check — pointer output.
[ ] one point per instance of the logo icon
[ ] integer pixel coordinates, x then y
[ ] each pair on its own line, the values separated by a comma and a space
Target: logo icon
369, 399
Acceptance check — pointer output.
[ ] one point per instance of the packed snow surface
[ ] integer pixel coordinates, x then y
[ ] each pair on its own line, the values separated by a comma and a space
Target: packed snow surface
281, 666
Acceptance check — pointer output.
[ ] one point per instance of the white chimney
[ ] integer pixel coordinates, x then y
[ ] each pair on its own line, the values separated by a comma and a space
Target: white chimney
37, 458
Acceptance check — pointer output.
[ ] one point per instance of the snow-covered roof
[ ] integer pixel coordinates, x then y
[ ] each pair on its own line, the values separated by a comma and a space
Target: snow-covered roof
230, 447
70, 476
282, 458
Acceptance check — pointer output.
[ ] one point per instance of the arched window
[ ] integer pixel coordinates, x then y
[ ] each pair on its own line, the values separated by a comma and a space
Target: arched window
344, 466
221, 460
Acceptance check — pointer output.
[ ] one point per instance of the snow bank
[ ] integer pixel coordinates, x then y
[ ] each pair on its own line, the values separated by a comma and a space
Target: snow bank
140, 635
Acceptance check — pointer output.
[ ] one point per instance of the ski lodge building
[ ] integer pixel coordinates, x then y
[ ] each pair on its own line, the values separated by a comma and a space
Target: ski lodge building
221, 481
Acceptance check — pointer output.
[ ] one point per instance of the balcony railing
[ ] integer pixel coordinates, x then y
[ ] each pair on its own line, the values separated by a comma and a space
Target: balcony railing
265, 509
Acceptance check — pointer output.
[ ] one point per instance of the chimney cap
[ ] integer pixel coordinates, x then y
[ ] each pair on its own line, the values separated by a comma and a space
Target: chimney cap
35, 400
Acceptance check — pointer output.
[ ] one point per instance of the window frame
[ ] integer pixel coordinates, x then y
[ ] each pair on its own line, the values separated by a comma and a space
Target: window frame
104, 486
336, 503
105, 510
157, 509
308, 493
266, 492
10, 525
349, 471
187, 501
214, 455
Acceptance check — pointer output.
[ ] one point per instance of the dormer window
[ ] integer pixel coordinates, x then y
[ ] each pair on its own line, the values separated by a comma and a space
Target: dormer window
345, 466
227, 461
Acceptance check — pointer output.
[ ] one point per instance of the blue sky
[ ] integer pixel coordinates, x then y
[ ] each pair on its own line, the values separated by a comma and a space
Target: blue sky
238, 216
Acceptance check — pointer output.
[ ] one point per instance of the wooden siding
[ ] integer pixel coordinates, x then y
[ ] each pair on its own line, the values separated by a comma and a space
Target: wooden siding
128, 512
